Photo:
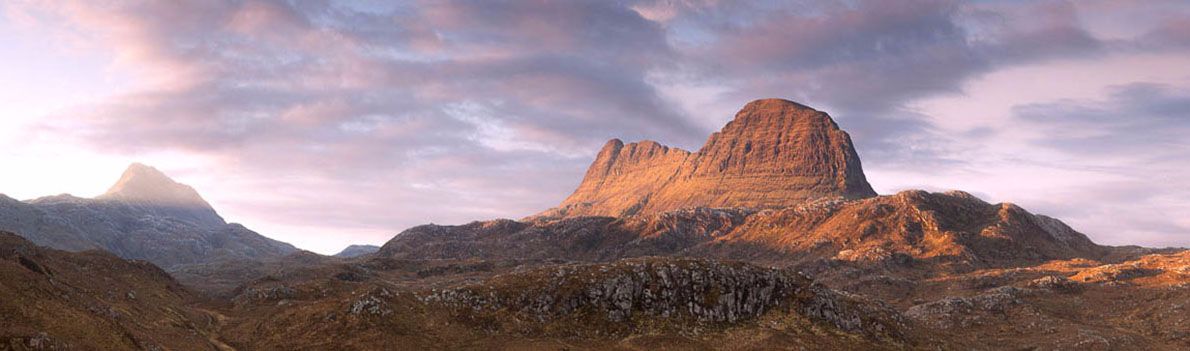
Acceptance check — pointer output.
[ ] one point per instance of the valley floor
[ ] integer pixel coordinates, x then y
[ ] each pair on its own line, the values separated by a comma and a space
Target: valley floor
60, 300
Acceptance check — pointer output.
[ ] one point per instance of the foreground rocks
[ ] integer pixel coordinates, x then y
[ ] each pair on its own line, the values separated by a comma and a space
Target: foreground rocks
623, 297
641, 303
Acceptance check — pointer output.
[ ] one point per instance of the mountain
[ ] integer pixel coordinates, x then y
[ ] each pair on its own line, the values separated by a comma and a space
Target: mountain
156, 193
145, 215
775, 153
357, 250
779, 184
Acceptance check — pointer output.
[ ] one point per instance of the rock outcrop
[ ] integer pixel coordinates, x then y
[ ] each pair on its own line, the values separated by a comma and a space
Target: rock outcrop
963, 312
775, 153
623, 296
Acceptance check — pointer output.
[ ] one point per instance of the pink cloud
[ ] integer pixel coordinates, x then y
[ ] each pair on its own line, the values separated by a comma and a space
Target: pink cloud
354, 107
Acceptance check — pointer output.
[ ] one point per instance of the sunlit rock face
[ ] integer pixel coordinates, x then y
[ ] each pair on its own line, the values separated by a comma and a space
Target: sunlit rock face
147, 187
775, 153
895, 230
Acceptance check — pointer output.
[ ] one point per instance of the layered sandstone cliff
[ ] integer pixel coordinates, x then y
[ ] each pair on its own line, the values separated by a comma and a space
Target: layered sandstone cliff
775, 153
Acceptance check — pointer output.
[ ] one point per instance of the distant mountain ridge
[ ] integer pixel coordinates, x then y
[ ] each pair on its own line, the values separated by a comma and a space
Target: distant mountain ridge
145, 215
357, 250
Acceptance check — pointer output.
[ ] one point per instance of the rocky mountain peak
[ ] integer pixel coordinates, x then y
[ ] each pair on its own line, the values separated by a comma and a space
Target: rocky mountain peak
775, 153
781, 145
774, 108
144, 185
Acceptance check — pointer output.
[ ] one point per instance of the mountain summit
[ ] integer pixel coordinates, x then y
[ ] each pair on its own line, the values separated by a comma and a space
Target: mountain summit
775, 153
145, 216
146, 186
145, 183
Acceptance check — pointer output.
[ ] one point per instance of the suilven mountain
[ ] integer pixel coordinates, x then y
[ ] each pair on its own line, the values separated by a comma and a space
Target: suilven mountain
767, 237
774, 154
780, 184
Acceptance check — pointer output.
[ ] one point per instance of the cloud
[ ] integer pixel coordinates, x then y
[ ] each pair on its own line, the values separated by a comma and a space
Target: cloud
1134, 138
475, 107
386, 115
1017, 33
1144, 122
866, 61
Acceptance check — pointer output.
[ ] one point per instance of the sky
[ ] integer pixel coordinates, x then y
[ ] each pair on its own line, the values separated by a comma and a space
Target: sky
328, 123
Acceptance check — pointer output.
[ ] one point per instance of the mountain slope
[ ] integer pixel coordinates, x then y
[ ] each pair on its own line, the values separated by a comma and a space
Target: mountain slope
92, 300
775, 153
145, 216
953, 228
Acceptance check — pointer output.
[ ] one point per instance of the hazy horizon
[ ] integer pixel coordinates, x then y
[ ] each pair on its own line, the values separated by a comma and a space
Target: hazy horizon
326, 124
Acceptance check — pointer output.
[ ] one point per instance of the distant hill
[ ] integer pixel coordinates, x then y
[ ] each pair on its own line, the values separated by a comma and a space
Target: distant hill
145, 215
357, 250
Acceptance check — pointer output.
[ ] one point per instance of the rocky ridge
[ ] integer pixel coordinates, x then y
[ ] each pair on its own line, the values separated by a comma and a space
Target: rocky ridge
775, 153
951, 228
615, 298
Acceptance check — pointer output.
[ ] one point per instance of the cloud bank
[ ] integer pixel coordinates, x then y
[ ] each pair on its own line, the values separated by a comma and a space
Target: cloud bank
379, 116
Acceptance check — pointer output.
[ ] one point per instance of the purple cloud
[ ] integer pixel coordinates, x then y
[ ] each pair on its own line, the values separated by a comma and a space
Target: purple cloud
460, 110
